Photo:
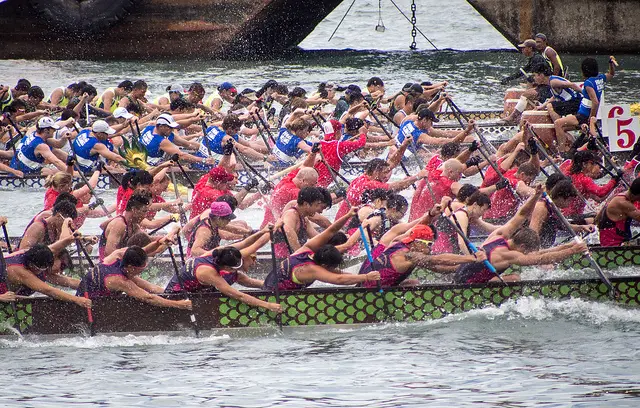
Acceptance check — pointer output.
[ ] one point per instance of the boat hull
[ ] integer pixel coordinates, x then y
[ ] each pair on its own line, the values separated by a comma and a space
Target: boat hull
311, 307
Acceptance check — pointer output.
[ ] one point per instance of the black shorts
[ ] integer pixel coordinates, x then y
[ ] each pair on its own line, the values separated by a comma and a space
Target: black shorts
544, 93
582, 119
564, 108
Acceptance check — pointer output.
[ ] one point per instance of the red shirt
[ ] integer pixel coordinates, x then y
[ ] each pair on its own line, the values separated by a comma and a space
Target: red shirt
334, 151
354, 193
503, 203
50, 197
587, 187
284, 191
491, 177
421, 202
203, 197
122, 198
151, 214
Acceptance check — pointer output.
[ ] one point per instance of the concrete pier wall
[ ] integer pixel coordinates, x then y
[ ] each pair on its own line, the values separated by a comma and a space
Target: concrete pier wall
586, 26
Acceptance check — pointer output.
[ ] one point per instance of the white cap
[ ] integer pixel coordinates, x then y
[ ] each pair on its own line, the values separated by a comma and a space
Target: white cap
100, 126
175, 88
122, 113
328, 128
166, 119
47, 122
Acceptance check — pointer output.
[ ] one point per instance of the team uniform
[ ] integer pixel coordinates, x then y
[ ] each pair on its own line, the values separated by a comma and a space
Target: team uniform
597, 84
284, 275
286, 148
26, 159
151, 141
477, 272
188, 276
82, 146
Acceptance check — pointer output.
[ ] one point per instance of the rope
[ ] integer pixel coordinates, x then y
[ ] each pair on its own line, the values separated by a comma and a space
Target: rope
341, 20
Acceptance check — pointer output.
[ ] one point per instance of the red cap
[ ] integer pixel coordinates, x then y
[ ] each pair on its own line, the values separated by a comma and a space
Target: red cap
420, 231
220, 174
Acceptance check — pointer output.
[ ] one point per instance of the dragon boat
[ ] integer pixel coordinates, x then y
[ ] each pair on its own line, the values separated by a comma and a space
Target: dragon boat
319, 306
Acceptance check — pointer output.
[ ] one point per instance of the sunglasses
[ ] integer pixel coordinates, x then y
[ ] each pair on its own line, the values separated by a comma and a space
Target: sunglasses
424, 241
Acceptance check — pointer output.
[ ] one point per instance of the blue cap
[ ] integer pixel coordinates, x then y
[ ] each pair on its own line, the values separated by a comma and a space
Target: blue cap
226, 86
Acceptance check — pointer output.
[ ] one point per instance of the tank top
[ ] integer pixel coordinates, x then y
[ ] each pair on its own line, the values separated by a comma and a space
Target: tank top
213, 241
191, 282
64, 101
409, 129
18, 259
94, 282
563, 94
27, 160
82, 146
151, 141
389, 276
286, 147
280, 245
614, 233
211, 146
114, 103
284, 275
102, 243
47, 239
562, 69
447, 240
597, 84
477, 272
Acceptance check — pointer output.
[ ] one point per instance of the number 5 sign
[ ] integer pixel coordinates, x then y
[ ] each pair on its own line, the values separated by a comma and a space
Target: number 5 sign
623, 133
609, 113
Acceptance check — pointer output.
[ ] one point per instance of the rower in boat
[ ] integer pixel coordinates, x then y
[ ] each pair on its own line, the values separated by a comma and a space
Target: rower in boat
297, 226
334, 150
420, 129
110, 98
47, 230
544, 220
287, 190
464, 217
91, 146
206, 235
376, 175
591, 94
528, 49
33, 151
213, 145
137, 181
398, 259
584, 169
291, 144
514, 244
174, 92
120, 273
61, 96
8, 95
614, 220
135, 101
218, 182
316, 260
116, 231
217, 270
160, 141
503, 202
223, 98
28, 271
566, 95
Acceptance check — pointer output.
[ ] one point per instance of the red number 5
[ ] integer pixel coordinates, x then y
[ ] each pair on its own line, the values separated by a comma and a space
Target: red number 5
630, 135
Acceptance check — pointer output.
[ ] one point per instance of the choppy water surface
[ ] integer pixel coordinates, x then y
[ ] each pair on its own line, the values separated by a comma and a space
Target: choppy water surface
533, 352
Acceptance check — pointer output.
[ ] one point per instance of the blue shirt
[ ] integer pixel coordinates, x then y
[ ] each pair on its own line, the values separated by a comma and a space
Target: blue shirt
597, 84
563, 94
151, 141
82, 146
286, 148
26, 159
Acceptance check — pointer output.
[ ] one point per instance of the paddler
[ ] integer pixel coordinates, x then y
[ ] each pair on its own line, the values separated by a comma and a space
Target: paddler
614, 220
223, 99
217, 270
287, 190
544, 220
110, 98
159, 140
528, 49
8, 95
90, 146
514, 244
206, 233
297, 225
423, 133
31, 270
399, 259
120, 273
33, 151
591, 95
566, 95
316, 260
47, 230
217, 182
135, 100
61, 96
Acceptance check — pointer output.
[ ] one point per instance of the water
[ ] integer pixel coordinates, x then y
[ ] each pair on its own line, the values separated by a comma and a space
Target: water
533, 352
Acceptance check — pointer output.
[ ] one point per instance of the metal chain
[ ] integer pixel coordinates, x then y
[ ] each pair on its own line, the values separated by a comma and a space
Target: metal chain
414, 32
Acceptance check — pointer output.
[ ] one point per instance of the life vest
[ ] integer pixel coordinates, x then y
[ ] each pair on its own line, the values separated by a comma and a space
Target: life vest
114, 103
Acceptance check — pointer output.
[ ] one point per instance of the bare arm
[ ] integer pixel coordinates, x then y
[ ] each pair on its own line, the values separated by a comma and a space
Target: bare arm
316, 242
209, 276
118, 284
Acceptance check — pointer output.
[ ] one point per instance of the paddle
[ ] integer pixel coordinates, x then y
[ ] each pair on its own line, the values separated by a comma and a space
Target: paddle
246, 166
264, 138
161, 227
183, 216
502, 177
274, 265
6, 237
458, 113
266, 129
471, 246
567, 226
3, 264
176, 159
82, 250
386, 132
192, 316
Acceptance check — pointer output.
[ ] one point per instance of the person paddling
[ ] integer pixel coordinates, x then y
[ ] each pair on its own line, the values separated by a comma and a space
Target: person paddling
614, 220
